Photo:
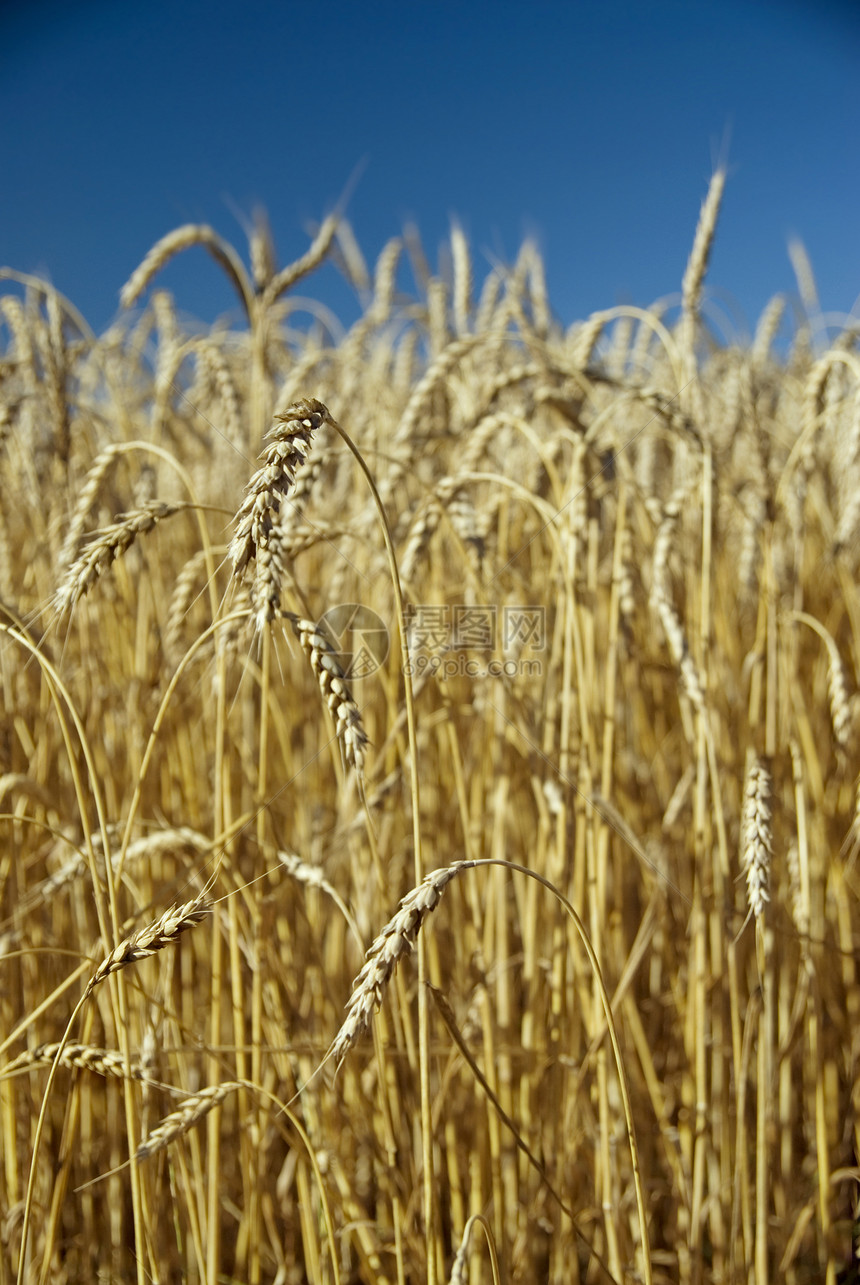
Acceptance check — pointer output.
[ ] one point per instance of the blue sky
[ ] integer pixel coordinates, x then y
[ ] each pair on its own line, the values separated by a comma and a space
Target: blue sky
591, 126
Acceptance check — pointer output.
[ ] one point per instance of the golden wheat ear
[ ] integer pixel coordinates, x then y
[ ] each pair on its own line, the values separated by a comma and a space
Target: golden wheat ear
757, 834
194, 1109
394, 942
289, 442
335, 690
164, 931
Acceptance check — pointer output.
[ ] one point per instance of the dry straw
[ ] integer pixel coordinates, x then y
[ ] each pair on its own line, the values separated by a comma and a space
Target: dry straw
758, 462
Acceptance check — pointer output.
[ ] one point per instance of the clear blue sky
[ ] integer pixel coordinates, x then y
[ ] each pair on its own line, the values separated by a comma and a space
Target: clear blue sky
592, 126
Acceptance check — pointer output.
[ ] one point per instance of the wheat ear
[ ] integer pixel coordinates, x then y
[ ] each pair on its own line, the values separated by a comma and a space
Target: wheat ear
335, 690
697, 264
584, 339
348, 257
289, 442
164, 931
181, 239
86, 1057
395, 941
186, 583
463, 279
312, 258
661, 601
105, 547
757, 834
192, 1110
837, 680
765, 331
261, 250
384, 278
86, 498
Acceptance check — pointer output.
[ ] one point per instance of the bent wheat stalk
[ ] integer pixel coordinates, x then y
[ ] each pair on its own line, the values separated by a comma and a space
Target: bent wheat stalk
396, 940
459, 1272
837, 681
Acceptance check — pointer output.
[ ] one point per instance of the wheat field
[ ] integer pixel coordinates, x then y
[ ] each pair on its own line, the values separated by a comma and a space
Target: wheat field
429, 781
